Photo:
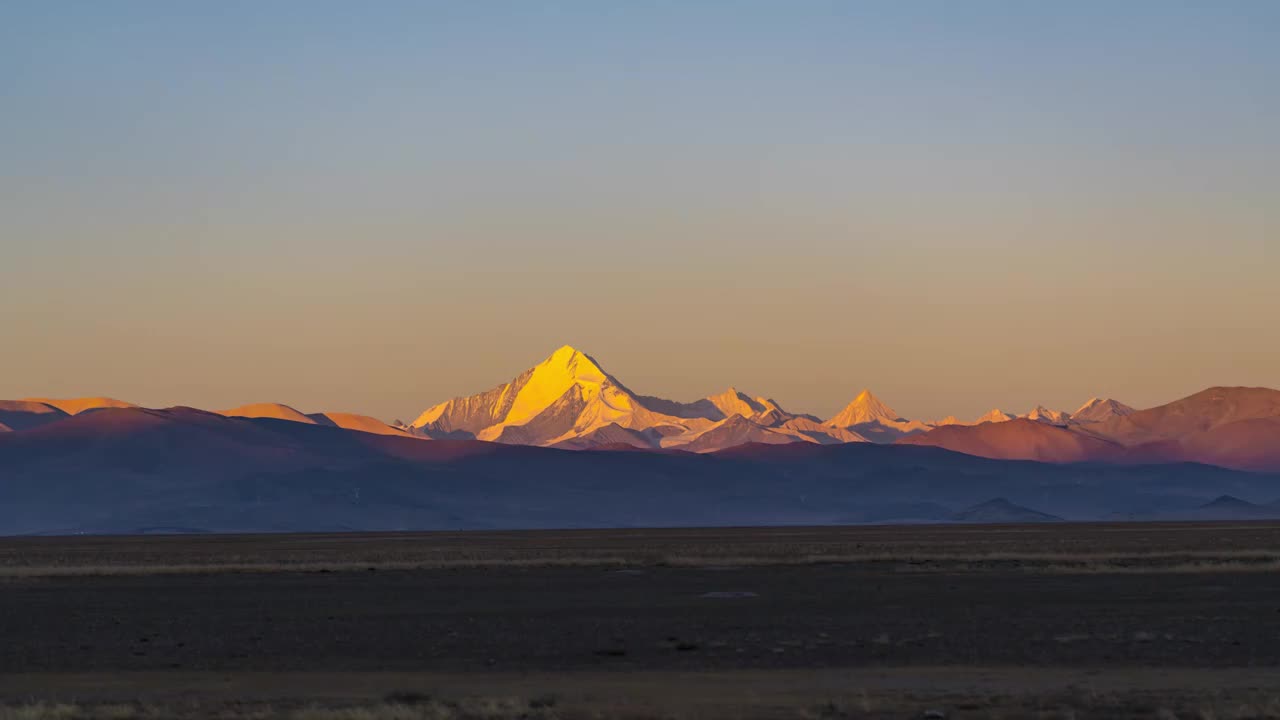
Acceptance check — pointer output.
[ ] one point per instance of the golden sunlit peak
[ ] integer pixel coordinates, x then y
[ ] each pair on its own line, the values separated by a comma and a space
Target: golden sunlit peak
577, 362
734, 402
864, 408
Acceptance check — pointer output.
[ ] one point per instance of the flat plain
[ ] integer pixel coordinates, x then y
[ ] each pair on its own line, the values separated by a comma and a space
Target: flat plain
1054, 620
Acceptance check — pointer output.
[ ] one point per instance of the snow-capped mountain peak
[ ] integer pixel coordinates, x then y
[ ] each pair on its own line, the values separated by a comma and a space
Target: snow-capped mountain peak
1050, 417
1100, 409
994, 415
568, 399
868, 416
865, 408
735, 402
551, 379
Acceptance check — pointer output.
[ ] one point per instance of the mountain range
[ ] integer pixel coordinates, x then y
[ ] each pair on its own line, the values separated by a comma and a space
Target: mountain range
568, 401
137, 470
566, 444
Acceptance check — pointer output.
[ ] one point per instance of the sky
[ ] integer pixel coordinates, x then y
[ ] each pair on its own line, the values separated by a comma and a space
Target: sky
373, 207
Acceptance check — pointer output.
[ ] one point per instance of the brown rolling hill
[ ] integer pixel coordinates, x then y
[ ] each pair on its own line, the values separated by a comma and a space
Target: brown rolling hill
201, 441
75, 406
1232, 427
346, 421
126, 469
275, 411
1020, 439
360, 423
1201, 412
18, 415
1252, 444
1000, 510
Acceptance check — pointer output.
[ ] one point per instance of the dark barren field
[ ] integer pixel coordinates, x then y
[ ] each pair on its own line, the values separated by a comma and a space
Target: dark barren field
1123, 620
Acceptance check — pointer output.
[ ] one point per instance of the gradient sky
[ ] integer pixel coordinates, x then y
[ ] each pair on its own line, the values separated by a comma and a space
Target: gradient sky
373, 207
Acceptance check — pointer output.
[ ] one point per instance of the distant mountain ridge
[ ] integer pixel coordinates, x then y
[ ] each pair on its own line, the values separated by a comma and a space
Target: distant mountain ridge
1233, 427
1020, 439
75, 406
280, 411
868, 416
1000, 510
1099, 410
128, 470
568, 401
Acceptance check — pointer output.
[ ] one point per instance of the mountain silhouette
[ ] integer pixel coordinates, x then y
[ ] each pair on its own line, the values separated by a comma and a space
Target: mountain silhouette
569, 402
26, 414
1020, 439
128, 469
1000, 510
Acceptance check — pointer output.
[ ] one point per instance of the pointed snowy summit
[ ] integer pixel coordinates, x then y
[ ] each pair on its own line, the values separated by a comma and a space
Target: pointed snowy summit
1041, 414
865, 408
568, 400
996, 415
1099, 410
735, 402
566, 395
866, 415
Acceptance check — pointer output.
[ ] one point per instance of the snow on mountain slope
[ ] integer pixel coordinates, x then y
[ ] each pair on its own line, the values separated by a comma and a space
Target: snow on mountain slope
1100, 409
732, 402
738, 430
816, 431
865, 408
569, 401
996, 415
1041, 414
773, 427
609, 436
565, 396
867, 416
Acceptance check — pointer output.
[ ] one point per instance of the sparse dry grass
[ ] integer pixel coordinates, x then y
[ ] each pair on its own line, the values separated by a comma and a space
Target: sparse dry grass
411, 708
1062, 563
32, 571
1065, 548
1076, 704
431, 709
68, 711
